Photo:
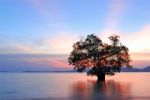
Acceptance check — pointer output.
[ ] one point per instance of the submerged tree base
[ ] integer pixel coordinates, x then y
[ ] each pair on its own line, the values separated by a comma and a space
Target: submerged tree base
101, 77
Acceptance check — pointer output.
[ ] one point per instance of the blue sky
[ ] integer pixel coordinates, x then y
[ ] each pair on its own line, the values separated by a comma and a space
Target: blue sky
28, 23
52, 26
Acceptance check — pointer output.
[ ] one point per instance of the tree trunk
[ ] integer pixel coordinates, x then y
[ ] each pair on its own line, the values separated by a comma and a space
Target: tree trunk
101, 77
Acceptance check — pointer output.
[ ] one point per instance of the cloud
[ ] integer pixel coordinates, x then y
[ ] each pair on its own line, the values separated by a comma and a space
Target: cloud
15, 47
138, 41
116, 10
141, 55
52, 12
140, 63
33, 62
46, 8
60, 43
50, 60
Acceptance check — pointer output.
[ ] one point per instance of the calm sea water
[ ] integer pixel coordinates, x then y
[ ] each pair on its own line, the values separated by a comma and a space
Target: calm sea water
73, 86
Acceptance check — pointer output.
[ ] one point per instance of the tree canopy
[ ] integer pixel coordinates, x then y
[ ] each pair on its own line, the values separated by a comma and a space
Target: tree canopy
94, 56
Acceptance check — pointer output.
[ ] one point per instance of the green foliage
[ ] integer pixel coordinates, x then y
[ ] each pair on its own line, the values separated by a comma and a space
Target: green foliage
94, 56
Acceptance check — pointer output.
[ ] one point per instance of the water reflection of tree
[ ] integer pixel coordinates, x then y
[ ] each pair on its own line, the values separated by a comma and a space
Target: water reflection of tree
108, 90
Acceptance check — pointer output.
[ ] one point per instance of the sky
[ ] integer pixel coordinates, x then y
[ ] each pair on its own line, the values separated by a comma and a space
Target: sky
39, 34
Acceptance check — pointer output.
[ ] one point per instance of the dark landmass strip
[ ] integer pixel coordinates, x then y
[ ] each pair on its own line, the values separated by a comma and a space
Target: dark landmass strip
124, 69
68, 71
146, 69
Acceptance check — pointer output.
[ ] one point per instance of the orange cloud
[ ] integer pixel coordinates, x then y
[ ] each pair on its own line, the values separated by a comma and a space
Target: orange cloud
140, 59
136, 41
140, 56
60, 43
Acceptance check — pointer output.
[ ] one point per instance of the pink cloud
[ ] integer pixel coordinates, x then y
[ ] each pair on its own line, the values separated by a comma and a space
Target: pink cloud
140, 63
52, 61
46, 9
115, 10
59, 63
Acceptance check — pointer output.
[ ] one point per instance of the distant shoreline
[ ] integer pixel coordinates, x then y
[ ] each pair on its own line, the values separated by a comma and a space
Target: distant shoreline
38, 72
145, 69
